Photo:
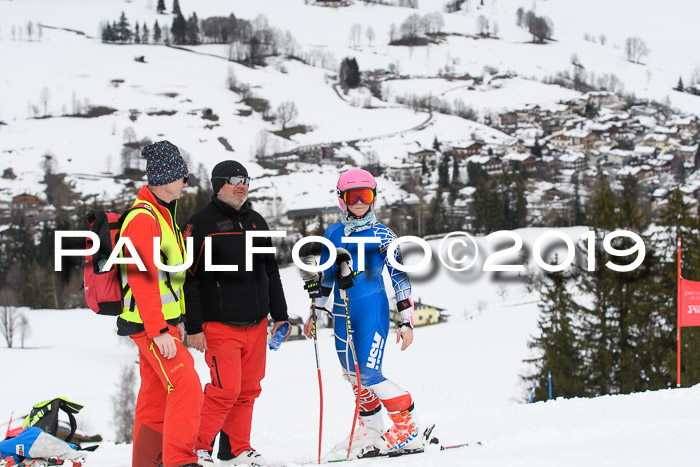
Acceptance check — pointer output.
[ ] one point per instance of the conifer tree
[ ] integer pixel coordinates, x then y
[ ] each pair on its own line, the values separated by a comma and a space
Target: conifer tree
192, 30
444, 171
107, 34
436, 215
558, 341
161, 7
680, 221
579, 215
680, 86
176, 7
520, 208
145, 35
156, 33
179, 29
124, 30
137, 33
455, 169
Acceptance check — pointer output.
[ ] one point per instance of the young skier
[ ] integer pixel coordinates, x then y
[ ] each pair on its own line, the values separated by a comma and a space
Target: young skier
369, 320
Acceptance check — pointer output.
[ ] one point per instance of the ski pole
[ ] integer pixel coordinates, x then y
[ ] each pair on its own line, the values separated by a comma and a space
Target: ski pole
351, 346
312, 281
320, 384
344, 262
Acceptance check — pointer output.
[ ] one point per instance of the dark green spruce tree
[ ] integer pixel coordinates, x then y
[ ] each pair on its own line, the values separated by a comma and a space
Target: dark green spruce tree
179, 29
557, 342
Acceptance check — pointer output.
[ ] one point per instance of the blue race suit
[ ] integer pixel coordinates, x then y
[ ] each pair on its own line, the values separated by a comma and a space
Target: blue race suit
368, 304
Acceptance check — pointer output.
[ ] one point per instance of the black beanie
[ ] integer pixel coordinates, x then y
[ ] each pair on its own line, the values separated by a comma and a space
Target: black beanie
226, 169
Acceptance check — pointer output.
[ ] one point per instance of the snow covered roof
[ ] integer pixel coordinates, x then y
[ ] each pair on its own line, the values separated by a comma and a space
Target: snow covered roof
517, 156
657, 138
621, 153
572, 156
478, 159
644, 150
666, 130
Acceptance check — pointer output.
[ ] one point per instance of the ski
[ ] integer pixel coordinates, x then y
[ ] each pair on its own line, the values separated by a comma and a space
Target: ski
427, 441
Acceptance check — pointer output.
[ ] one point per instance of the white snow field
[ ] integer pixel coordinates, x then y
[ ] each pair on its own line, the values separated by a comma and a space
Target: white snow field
464, 375
49, 74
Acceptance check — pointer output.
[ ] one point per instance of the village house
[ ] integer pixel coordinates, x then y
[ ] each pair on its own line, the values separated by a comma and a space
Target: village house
423, 315
404, 173
573, 139
316, 153
645, 152
430, 157
491, 164
527, 161
660, 166
467, 150
659, 141
508, 120
573, 160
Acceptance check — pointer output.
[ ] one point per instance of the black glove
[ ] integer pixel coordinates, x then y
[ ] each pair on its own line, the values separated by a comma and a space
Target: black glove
345, 273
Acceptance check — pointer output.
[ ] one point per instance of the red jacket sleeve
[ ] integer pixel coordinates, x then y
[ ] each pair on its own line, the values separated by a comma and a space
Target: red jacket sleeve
144, 284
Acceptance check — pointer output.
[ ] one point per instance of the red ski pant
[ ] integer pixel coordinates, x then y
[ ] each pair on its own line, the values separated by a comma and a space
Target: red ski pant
168, 406
236, 359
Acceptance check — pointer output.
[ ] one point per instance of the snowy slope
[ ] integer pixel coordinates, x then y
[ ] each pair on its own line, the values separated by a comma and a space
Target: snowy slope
79, 68
463, 374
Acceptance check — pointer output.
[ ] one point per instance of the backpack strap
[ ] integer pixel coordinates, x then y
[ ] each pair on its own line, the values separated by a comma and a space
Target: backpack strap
164, 257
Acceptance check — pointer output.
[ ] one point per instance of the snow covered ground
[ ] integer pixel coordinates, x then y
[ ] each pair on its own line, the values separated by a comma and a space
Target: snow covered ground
50, 73
464, 375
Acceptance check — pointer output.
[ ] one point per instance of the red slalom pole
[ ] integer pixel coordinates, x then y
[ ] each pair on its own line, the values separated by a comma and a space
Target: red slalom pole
320, 383
678, 304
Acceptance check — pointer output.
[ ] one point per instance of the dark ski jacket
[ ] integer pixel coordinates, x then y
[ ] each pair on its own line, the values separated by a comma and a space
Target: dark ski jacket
242, 298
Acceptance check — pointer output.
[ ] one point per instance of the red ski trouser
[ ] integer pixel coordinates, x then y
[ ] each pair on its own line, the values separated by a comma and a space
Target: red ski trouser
168, 406
236, 359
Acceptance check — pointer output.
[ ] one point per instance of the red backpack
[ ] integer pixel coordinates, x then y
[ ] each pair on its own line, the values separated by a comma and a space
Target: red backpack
103, 290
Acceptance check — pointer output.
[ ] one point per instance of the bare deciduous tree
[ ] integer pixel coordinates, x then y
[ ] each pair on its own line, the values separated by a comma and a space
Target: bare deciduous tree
124, 406
355, 35
286, 113
369, 32
45, 98
482, 25
9, 324
261, 144
635, 49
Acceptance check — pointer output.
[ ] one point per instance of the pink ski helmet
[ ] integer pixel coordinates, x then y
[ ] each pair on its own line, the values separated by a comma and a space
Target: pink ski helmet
356, 178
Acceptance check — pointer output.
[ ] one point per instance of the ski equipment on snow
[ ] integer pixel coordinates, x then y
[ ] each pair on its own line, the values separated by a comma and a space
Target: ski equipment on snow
345, 281
44, 415
312, 284
428, 440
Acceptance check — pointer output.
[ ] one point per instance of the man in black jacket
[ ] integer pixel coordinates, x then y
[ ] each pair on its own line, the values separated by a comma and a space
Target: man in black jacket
227, 312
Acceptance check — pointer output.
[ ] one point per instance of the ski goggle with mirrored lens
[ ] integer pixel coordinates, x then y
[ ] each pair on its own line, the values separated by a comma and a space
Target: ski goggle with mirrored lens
366, 195
236, 180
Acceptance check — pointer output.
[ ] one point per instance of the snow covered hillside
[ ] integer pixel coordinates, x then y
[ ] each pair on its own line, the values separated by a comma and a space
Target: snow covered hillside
464, 375
53, 72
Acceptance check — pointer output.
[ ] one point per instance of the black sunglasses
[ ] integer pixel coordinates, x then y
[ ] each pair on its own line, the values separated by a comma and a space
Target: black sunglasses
235, 180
